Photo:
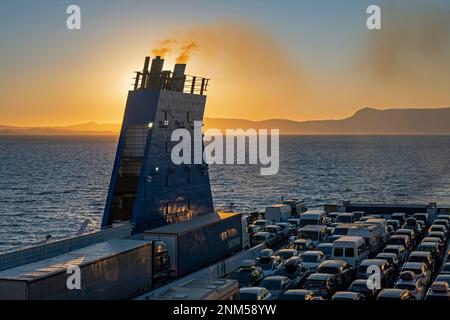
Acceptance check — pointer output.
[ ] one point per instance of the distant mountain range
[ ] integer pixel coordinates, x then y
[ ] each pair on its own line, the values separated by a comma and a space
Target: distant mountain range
364, 121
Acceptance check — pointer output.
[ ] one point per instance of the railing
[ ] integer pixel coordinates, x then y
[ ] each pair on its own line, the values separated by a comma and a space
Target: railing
48, 250
195, 85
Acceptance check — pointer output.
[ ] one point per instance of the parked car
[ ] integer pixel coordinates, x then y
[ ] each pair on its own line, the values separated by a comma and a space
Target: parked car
287, 229
340, 230
423, 256
275, 230
358, 214
332, 216
446, 268
347, 217
387, 271
392, 258
348, 295
297, 294
394, 294
254, 293
322, 284
439, 227
269, 239
268, 262
400, 240
261, 223
394, 223
360, 286
437, 234
285, 254
326, 249
439, 290
410, 233
342, 270
443, 222
301, 245
409, 281
432, 247
399, 250
438, 241
444, 278
420, 269
276, 285
422, 216
248, 274
399, 216
312, 259
295, 271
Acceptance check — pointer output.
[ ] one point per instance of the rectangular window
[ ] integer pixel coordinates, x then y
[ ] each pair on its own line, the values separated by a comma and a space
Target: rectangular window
349, 252
338, 252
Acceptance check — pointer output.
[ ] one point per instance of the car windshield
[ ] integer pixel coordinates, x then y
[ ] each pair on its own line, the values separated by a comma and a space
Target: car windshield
345, 219
259, 238
293, 297
260, 223
415, 270
285, 254
242, 276
325, 250
299, 245
391, 250
312, 283
417, 259
407, 286
340, 231
446, 267
309, 258
271, 284
397, 241
359, 288
444, 278
329, 270
247, 296
309, 235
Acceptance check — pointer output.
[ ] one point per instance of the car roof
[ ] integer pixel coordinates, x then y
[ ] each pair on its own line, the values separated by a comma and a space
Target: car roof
327, 244
420, 253
369, 262
386, 254
391, 292
319, 276
276, 278
312, 252
399, 236
255, 290
248, 263
301, 240
287, 250
413, 265
262, 233
345, 294
297, 292
360, 282
332, 263
311, 227
394, 246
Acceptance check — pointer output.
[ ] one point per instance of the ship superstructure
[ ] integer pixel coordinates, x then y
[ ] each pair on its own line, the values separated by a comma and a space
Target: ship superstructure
146, 188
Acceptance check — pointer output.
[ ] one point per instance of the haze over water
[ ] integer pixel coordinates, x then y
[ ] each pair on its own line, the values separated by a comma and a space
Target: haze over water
50, 185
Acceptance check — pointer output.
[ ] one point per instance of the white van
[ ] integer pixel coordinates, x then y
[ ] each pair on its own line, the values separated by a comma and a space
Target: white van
313, 217
277, 213
369, 233
350, 249
383, 231
317, 234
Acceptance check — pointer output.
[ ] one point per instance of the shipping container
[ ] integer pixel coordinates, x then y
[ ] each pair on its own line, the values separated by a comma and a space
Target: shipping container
114, 269
200, 241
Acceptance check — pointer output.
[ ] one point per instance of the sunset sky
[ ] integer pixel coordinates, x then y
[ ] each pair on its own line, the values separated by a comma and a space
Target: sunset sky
290, 59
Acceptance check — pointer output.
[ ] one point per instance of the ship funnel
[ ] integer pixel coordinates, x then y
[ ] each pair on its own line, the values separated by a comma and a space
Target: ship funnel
179, 77
154, 80
144, 73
